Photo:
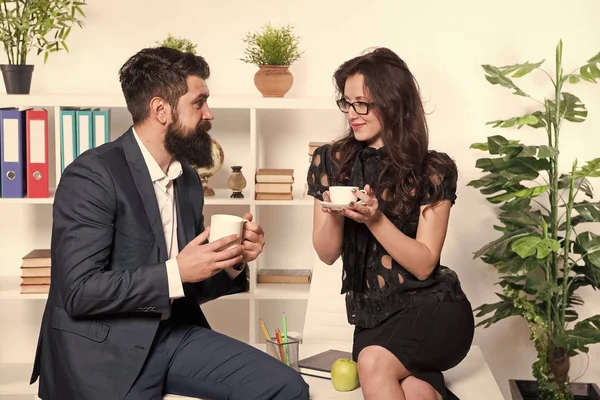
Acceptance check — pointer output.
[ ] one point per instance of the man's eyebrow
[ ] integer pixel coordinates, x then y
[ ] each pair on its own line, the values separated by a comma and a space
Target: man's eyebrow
201, 96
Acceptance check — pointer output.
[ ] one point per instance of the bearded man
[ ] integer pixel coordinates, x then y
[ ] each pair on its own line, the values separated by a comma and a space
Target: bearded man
131, 262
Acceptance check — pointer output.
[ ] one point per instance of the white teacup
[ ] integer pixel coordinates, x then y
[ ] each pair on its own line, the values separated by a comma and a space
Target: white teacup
222, 225
343, 194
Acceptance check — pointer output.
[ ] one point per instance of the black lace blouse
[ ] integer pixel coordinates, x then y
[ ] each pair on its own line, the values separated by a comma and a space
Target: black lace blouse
376, 286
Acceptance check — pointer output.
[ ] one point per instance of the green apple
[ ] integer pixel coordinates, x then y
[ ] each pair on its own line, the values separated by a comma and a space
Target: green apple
344, 374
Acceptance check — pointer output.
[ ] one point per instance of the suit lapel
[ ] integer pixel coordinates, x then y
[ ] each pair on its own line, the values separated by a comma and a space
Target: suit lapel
185, 216
143, 183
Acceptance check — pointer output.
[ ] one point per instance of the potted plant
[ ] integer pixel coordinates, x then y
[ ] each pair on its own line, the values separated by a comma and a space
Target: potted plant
43, 25
543, 252
273, 50
178, 43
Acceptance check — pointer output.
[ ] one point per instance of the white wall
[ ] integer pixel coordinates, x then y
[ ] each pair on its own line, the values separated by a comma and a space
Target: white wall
443, 42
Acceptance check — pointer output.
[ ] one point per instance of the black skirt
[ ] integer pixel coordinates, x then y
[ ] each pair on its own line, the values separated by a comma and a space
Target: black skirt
427, 339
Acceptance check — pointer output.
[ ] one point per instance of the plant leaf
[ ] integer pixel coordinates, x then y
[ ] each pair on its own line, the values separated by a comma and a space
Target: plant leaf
516, 204
480, 146
496, 77
590, 243
583, 334
587, 275
572, 108
547, 151
519, 122
590, 169
501, 309
590, 71
580, 183
505, 238
495, 143
589, 211
535, 246
522, 218
523, 193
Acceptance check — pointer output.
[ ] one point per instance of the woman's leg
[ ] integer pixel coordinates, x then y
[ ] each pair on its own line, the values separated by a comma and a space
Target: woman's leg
379, 372
417, 389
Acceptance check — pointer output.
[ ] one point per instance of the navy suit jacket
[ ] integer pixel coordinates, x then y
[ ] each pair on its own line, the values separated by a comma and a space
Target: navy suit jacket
109, 283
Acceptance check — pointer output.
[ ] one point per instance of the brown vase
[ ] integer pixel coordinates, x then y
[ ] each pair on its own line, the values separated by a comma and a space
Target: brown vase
236, 182
273, 80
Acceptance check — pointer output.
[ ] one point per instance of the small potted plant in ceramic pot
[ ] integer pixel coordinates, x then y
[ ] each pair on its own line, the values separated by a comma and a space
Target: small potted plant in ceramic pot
273, 50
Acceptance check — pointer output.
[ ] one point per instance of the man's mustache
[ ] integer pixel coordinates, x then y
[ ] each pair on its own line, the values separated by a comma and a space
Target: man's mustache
205, 125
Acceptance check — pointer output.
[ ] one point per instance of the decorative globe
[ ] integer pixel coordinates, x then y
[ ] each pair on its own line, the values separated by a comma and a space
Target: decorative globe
205, 173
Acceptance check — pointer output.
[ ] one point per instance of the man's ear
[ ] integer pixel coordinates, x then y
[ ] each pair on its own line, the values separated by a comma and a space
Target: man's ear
160, 110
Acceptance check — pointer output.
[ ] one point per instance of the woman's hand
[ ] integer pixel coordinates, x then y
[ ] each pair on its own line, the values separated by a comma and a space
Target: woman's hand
366, 211
327, 199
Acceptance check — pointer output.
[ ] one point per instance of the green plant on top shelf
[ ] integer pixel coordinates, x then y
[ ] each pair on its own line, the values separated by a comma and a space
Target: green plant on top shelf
272, 46
181, 44
43, 25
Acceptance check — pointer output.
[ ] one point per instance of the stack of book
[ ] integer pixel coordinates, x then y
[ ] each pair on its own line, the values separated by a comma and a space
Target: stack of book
35, 272
274, 184
276, 275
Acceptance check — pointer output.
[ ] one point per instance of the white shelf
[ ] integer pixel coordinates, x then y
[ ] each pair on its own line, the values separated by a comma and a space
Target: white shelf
221, 197
26, 200
10, 290
216, 102
14, 379
47, 200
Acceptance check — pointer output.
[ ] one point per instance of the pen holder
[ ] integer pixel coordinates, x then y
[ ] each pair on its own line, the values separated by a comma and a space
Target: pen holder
286, 352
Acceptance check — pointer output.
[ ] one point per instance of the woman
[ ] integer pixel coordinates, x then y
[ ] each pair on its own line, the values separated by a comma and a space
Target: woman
412, 319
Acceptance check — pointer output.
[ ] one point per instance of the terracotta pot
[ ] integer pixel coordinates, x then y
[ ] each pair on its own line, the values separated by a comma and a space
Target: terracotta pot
273, 80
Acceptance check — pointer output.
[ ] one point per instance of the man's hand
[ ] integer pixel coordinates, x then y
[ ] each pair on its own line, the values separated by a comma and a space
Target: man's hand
253, 239
198, 261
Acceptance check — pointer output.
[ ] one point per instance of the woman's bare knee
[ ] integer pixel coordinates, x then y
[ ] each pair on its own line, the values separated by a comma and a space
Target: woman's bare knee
375, 362
417, 389
379, 373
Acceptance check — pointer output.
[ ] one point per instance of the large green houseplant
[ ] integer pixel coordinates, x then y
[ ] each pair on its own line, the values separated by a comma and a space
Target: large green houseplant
273, 50
543, 253
25, 25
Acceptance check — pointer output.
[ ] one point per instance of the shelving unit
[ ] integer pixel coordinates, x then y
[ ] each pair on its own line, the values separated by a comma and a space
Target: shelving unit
251, 109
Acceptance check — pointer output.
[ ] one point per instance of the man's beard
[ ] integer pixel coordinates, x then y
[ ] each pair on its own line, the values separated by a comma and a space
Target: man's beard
191, 146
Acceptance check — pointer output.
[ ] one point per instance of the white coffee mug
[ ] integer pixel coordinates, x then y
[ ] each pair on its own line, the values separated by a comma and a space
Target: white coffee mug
222, 225
343, 194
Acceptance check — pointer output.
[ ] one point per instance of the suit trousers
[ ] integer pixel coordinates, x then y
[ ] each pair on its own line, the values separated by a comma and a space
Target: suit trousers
199, 362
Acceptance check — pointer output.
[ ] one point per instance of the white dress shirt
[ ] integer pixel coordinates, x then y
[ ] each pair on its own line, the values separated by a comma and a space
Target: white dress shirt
165, 197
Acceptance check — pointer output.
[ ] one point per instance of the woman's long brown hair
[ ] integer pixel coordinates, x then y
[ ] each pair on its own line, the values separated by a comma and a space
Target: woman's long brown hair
408, 160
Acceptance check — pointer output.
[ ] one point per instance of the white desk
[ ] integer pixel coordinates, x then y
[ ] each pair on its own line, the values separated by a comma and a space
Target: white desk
471, 380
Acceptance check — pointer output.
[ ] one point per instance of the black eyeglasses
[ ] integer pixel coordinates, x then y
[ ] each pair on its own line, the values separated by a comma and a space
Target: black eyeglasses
360, 107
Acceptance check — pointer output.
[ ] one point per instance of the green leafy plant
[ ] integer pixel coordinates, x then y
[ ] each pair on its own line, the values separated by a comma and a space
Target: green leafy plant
272, 46
178, 43
544, 254
37, 24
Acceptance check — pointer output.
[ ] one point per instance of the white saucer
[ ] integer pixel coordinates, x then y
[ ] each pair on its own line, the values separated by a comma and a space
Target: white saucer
334, 206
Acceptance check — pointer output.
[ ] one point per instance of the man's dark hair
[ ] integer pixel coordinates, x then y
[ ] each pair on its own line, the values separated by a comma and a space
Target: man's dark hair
158, 72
